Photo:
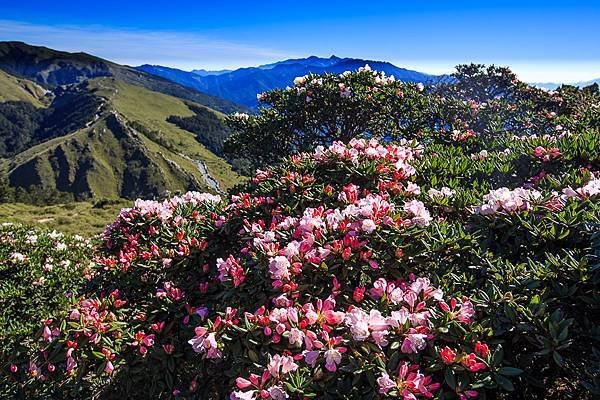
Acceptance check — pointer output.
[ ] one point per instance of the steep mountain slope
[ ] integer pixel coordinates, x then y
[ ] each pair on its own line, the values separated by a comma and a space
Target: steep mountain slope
242, 85
23, 125
52, 68
124, 147
18, 89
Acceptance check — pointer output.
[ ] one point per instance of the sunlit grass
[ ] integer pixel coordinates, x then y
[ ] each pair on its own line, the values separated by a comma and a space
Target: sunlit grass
75, 218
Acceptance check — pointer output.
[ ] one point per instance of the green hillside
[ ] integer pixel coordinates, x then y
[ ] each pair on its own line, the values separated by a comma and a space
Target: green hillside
127, 149
76, 126
152, 114
18, 89
52, 68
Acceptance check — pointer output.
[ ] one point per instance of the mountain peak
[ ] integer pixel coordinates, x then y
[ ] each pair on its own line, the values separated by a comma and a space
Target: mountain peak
242, 85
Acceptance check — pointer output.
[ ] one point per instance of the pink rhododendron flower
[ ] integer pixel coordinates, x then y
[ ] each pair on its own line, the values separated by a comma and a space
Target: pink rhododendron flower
109, 368
281, 365
444, 192
413, 342
295, 337
358, 294
385, 383
463, 314
418, 213
507, 200
481, 349
368, 226
49, 335
239, 395
231, 269
470, 362
279, 268
205, 342
332, 358
448, 355
277, 393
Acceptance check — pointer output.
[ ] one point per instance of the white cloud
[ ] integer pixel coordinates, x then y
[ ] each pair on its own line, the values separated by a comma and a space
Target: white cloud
135, 46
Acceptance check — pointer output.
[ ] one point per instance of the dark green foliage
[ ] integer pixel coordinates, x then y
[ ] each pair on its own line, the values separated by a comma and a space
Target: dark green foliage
212, 132
209, 129
71, 110
35, 194
156, 136
22, 125
19, 121
320, 109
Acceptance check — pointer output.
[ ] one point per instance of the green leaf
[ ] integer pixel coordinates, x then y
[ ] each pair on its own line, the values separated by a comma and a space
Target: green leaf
498, 356
450, 378
510, 371
504, 383
558, 359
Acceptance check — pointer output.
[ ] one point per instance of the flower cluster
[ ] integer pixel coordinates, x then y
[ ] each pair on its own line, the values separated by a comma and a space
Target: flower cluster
41, 271
590, 189
508, 201
357, 150
444, 192
318, 335
321, 234
463, 136
320, 275
546, 154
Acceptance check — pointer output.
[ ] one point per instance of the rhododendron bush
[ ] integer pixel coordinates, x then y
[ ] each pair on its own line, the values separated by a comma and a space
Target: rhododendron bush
473, 102
458, 267
39, 271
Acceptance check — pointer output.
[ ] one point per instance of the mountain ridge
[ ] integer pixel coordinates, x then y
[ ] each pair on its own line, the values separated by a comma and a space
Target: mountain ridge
118, 150
554, 85
243, 84
52, 68
77, 124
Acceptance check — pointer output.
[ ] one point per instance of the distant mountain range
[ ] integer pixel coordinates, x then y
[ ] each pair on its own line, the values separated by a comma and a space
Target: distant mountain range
242, 85
552, 85
76, 123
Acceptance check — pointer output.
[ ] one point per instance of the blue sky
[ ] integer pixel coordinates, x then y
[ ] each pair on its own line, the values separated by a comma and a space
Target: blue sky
541, 40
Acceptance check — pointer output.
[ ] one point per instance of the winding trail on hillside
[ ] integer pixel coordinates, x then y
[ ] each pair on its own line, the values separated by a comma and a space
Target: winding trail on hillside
208, 178
212, 182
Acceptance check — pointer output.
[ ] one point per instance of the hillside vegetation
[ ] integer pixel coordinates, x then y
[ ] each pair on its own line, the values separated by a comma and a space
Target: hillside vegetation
40, 270
74, 126
76, 218
447, 247
52, 68
17, 89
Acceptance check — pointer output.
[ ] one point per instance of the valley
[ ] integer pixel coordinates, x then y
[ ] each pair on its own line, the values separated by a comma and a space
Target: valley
94, 129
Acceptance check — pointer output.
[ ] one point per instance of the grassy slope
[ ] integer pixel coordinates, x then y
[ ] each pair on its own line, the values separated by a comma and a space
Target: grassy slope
100, 143
74, 218
53, 68
17, 89
96, 157
153, 112
31, 152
